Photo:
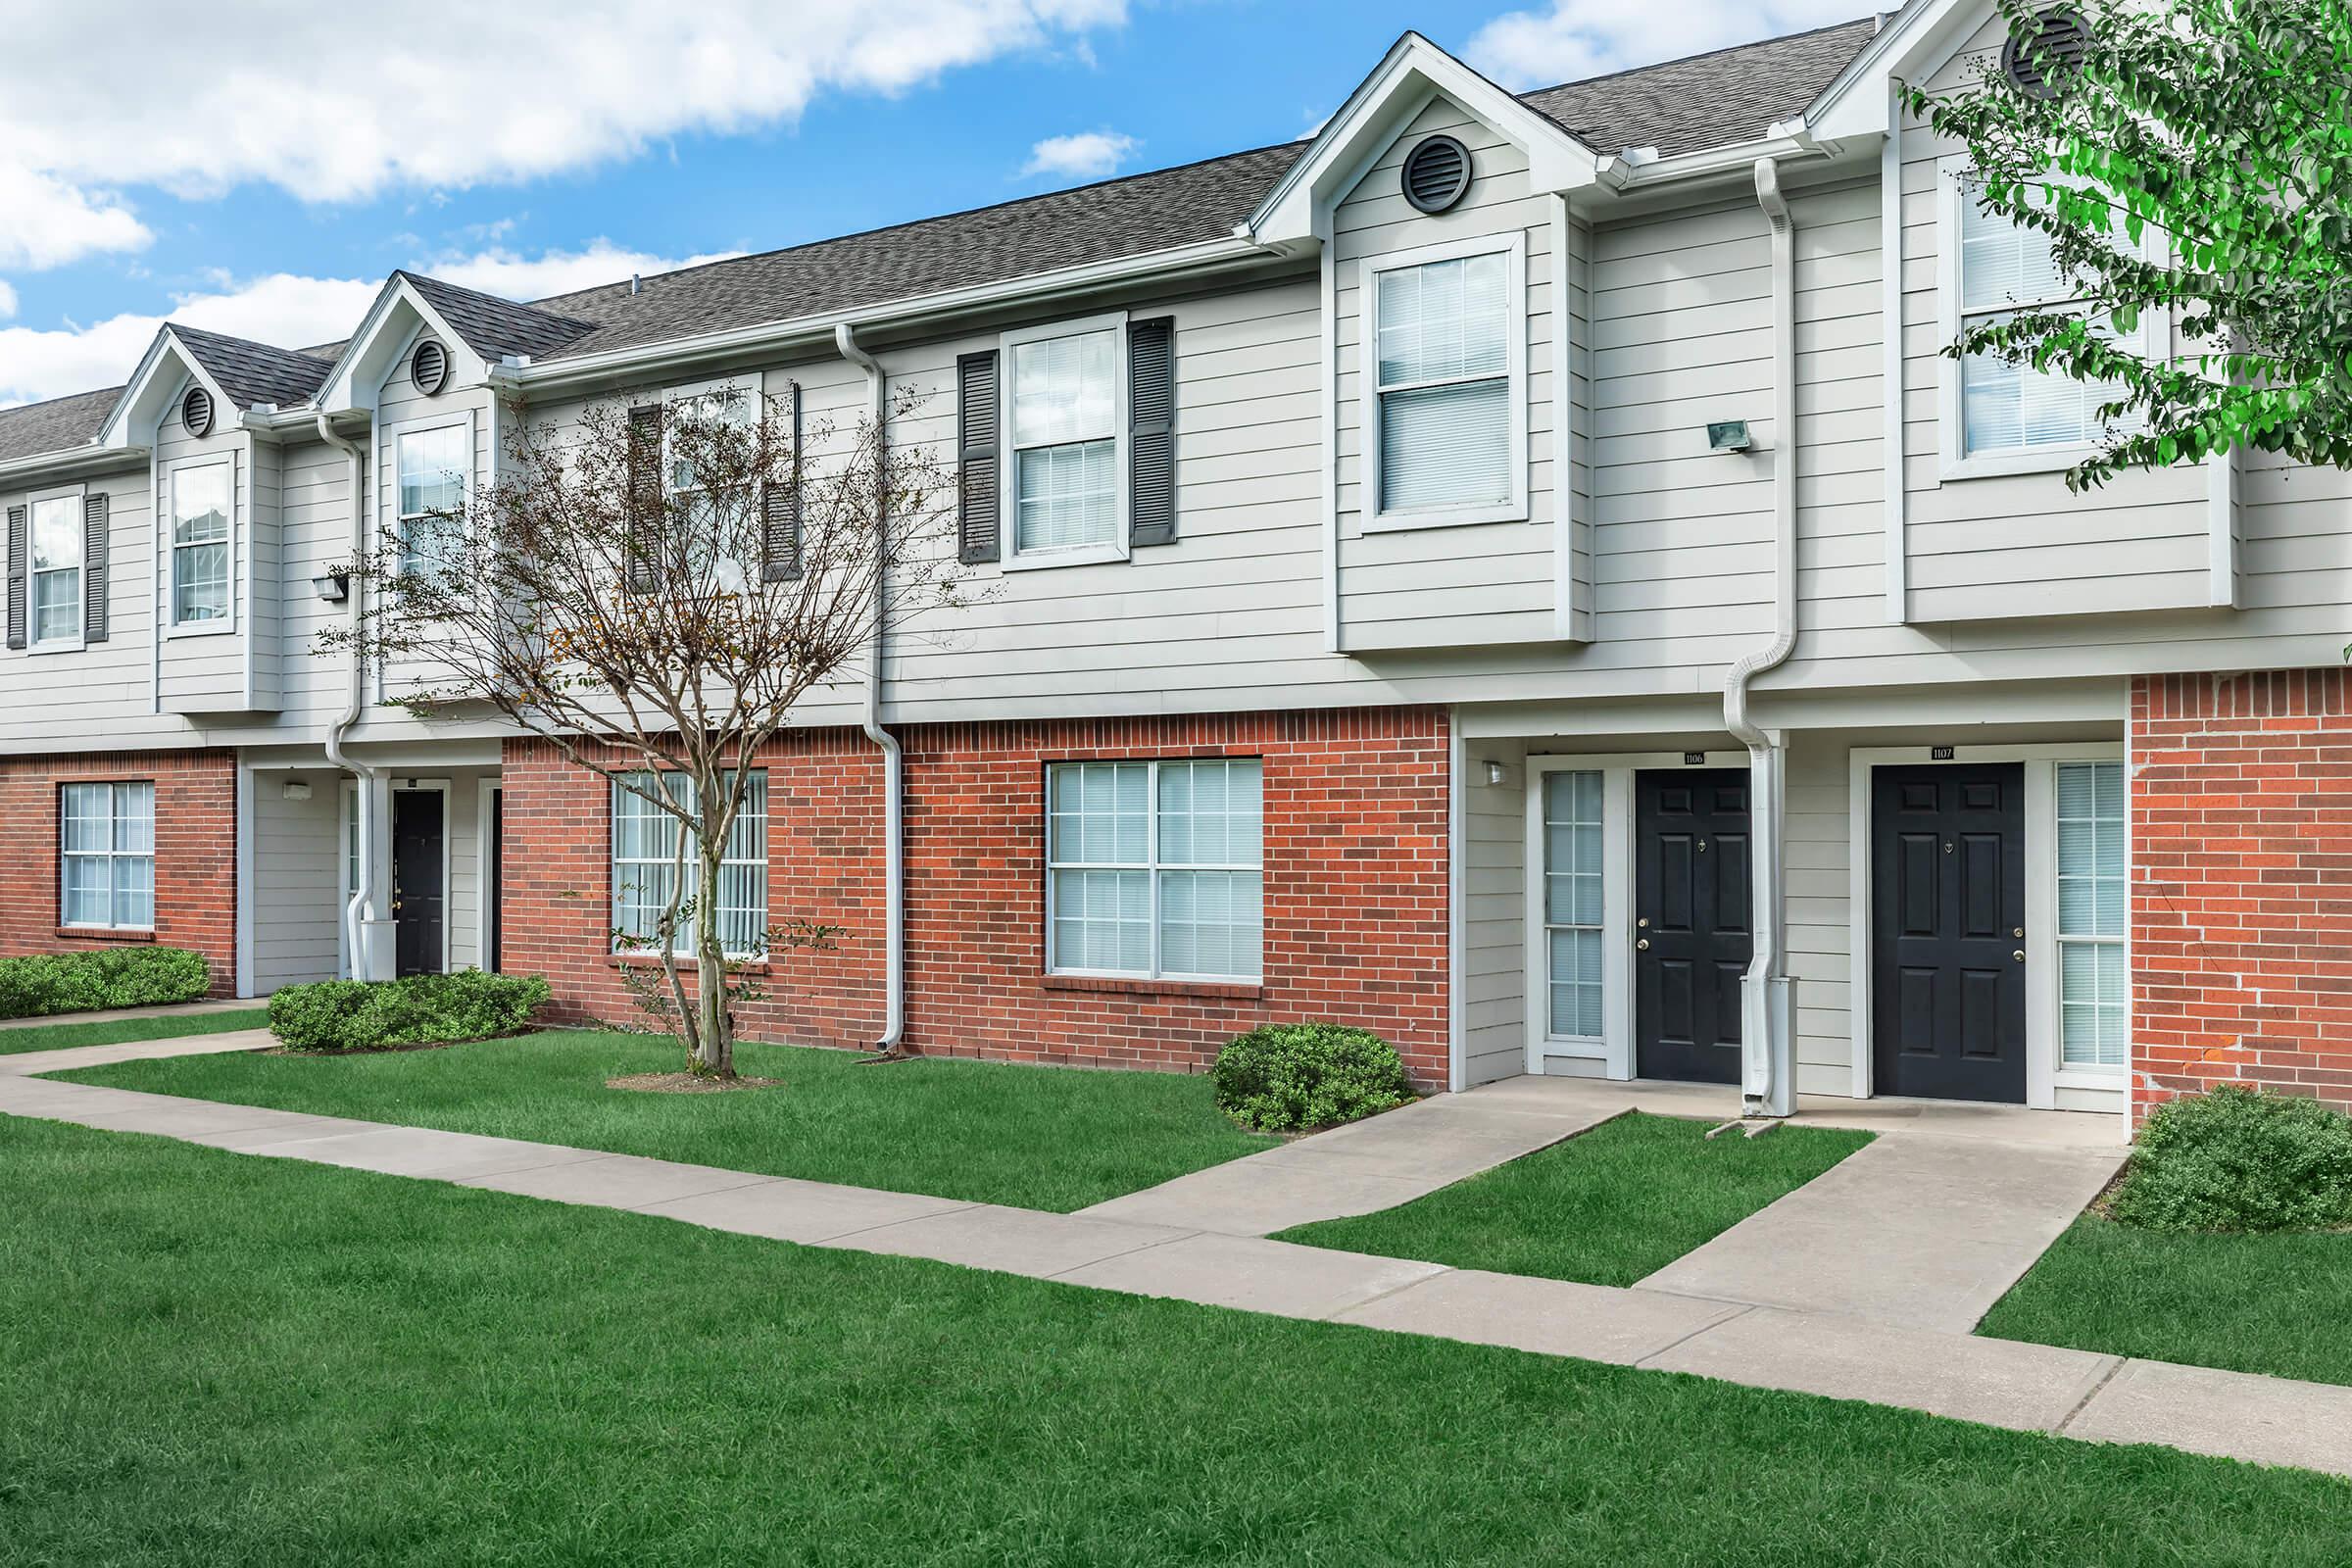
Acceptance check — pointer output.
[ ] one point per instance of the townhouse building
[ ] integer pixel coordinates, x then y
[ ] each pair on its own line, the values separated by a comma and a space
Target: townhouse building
1510, 572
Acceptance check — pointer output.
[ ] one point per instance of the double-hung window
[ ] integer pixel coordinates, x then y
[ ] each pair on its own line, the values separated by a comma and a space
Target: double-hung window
646, 865
200, 544
1064, 407
56, 572
1446, 409
2011, 414
434, 466
719, 534
2093, 1006
106, 853
1154, 869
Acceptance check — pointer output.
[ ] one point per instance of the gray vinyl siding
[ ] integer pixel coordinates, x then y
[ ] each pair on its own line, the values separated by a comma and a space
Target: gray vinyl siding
401, 407
203, 671
1819, 856
1495, 886
100, 694
1454, 585
264, 637
315, 533
297, 870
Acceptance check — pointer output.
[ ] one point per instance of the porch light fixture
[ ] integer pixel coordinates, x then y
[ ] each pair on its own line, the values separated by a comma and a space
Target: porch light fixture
333, 586
1494, 774
298, 789
1729, 435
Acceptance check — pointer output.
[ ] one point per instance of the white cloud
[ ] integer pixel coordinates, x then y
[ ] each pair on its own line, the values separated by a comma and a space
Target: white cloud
1579, 38
1089, 154
7, 301
511, 277
289, 310
332, 106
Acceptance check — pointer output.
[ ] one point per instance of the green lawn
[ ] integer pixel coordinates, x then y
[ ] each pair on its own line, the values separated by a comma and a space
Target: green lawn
2271, 1303
1052, 1138
1605, 1207
112, 1030
216, 1359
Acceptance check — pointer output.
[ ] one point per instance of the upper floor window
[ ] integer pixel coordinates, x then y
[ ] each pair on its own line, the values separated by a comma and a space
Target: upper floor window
432, 465
57, 538
1448, 414
1063, 409
200, 544
1153, 868
716, 538
106, 850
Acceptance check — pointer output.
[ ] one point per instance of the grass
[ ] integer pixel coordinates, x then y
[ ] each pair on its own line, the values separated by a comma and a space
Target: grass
2249, 1302
1605, 1207
1052, 1138
214, 1359
113, 1031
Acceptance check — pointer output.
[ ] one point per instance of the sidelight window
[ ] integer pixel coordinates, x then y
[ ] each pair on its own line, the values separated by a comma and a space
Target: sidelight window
1573, 902
2093, 1009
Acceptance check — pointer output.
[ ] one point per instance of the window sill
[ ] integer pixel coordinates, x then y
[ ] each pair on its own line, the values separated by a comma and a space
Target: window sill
1121, 984
1445, 517
105, 933
1085, 556
1998, 464
57, 645
201, 629
653, 961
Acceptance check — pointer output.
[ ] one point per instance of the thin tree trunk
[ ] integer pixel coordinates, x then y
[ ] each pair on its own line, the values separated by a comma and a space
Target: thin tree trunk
716, 1053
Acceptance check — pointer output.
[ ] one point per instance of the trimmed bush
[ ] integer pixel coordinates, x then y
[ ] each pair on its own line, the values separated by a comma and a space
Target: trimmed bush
108, 977
416, 1010
2238, 1160
1291, 1077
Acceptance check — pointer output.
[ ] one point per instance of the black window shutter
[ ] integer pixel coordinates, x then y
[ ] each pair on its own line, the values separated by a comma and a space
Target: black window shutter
780, 512
94, 511
644, 497
977, 505
19, 553
1151, 430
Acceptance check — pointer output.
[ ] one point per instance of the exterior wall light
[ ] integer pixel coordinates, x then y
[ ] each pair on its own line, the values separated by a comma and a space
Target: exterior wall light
1729, 435
333, 586
1494, 774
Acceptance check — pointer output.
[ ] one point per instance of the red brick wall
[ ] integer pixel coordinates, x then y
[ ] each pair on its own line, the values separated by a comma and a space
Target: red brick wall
2241, 884
1355, 883
195, 851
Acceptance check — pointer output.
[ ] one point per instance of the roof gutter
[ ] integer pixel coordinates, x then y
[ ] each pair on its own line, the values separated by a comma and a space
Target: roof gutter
70, 461
894, 762
356, 923
1769, 1065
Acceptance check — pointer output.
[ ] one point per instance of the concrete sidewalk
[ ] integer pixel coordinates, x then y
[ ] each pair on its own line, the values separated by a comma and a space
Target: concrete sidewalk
1844, 1356
175, 1010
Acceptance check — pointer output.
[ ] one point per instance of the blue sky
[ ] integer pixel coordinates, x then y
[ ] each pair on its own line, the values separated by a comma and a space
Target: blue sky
277, 163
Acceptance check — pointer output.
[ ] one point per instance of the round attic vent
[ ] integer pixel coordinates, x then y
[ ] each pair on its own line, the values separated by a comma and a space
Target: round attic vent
429, 368
1437, 174
196, 411
2056, 52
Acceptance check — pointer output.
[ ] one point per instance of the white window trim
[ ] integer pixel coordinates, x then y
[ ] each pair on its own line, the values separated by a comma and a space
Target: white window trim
165, 533
79, 495
1953, 459
1614, 1048
110, 853
1009, 455
693, 869
425, 426
2047, 1079
1154, 866
1512, 247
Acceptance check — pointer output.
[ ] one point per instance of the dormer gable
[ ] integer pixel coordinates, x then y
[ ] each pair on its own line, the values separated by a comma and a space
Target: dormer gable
235, 376
476, 332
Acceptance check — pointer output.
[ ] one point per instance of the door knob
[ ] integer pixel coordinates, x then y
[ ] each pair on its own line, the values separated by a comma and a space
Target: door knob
2019, 954
1642, 943
1643, 923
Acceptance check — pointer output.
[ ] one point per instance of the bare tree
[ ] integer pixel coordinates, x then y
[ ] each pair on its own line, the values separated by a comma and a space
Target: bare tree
652, 588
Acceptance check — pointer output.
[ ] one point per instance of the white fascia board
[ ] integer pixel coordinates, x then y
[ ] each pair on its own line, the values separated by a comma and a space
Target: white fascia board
132, 420
1856, 103
348, 391
70, 463
1413, 68
674, 355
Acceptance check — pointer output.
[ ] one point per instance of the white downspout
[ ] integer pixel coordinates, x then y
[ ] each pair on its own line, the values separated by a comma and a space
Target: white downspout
893, 763
1768, 1074
363, 887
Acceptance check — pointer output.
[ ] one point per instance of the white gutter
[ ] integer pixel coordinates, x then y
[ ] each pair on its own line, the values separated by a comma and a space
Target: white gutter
362, 886
73, 460
1769, 1066
894, 762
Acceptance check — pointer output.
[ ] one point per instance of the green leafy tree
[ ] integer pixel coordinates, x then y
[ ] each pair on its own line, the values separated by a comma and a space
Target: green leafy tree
2221, 132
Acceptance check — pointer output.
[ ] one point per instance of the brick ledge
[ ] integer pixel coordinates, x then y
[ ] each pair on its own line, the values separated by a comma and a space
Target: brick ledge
1152, 988
99, 933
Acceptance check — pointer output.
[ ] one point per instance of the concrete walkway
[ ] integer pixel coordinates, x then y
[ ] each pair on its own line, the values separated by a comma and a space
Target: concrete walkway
175, 1010
1845, 1355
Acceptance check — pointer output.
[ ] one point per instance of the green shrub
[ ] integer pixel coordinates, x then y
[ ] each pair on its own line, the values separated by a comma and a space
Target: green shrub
107, 977
419, 1009
2238, 1160
1296, 1076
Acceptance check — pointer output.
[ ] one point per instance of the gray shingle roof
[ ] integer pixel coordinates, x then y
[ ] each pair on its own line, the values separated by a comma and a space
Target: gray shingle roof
252, 372
55, 425
1710, 100
492, 326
